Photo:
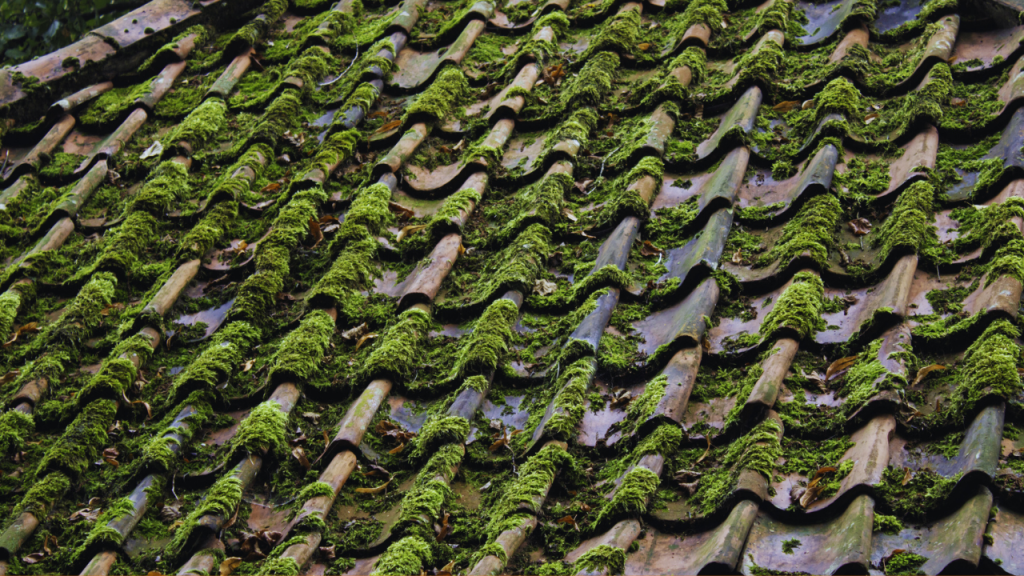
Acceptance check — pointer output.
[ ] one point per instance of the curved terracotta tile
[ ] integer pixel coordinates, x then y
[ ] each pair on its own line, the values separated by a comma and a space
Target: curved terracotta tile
986, 46
950, 545
856, 36
890, 298
14, 190
442, 177
413, 69
920, 152
893, 17
231, 75
116, 141
593, 325
402, 150
1007, 546
703, 250
510, 541
41, 151
842, 543
679, 325
500, 20
711, 551
162, 84
51, 67
740, 117
75, 100
155, 15
681, 372
424, 282
774, 36
1008, 149
775, 368
814, 177
824, 20
620, 536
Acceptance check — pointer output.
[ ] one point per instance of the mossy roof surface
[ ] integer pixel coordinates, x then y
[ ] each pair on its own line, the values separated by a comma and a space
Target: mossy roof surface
410, 277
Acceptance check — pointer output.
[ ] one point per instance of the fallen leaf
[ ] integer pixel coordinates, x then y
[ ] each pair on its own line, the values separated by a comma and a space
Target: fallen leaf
33, 558
544, 287
838, 366
376, 490
23, 329
229, 564
272, 187
364, 338
443, 529
907, 475
924, 372
446, 570
568, 214
582, 185
155, 150
871, 117
404, 232
402, 211
106, 309
248, 364
300, 455
110, 456
860, 226
498, 444
378, 114
958, 102
648, 249
810, 495
568, 520
10, 376
388, 126
643, 47
315, 232
397, 449
787, 106
807, 104
353, 333
706, 451
149, 410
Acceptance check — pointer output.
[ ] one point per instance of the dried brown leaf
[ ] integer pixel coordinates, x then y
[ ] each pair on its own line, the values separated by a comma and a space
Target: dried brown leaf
388, 126
706, 451
408, 230
568, 520
924, 372
300, 455
229, 565
648, 249
315, 232
23, 329
362, 340
787, 106
835, 368
907, 475
860, 226
376, 490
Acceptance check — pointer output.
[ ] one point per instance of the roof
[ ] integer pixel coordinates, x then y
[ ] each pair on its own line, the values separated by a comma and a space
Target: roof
657, 287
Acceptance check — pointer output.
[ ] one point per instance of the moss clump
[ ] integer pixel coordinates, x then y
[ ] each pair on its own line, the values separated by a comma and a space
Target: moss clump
263, 431
757, 450
642, 407
799, 308
423, 502
202, 35
61, 165
369, 210
167, 185
989, 367
621, 34
102, 532
280, 567
909, 226
486, 347
400, 349
408, 556
221, 500
541, 202
535, 478
42, 495
15, 428
221, 356
1007, 261
840, 96
887, 524
569, 403
350, 274
763, 65
315, 490
443, 98
637, 487
988, 226
208, 231
81, 442
10, 303
453, 208
337, 148
577, 126
811, 230
303, 348
438, 431
82, 315
592, 83
925, 104
282, 114
158, 454
922, 494
199, 126
602, 559
867, 377
904, 563
112, 104
118, 372
706, 12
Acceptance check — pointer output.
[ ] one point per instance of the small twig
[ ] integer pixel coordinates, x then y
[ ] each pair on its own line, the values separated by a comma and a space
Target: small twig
601, 173
7, 156
350, 64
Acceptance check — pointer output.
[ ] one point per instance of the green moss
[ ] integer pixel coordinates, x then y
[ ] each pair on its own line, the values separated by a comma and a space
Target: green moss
540, 202
15, 429
424, 501
642, 407
208, 231
601, 559
199, 126
486, 347
112, 104
909, 225
280, 567
631, 498
790, 545
263, 431
350, 274
282, 114
988, 226
886, 524
158, 453
578, 126
535, 478
369, 210
592, 83
867, 377
222, 499
840, 96
400, 350
904, 563
569, 402
989, 367
218, 359
925, 104
408, 556
82, 316
1008, 260
167, 184
811, 230
80, 444
538, 50
167, 50
315, 490
757, 450
799, 308
302, 349
443, 98
61, 165
438, 431
102, 532
621, 34
336, 148
43, 495
707, 12
118, 372
10, 304
763, 65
